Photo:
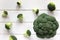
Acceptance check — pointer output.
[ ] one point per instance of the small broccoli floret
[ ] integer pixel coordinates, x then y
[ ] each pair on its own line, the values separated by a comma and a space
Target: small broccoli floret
45, 26
18, 3
20, 17
36, 11
8, 25
12, 37
5, 14
27, 33
51, 6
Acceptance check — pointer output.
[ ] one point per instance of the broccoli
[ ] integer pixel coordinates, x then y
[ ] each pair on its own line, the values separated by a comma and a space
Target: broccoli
27, 33
8, 25
5, 14
45, 26
20, 17
36, 11
12, 37
51, 6
18, 3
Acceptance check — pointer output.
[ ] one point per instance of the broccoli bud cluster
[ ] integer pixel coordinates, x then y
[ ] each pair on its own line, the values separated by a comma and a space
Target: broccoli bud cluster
12, 37
45, 26
51, 6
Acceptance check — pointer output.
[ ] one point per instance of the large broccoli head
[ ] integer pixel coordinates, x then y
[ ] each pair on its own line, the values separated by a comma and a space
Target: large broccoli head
45, 26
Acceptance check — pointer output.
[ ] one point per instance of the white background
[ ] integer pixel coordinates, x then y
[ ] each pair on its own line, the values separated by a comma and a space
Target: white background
26, 9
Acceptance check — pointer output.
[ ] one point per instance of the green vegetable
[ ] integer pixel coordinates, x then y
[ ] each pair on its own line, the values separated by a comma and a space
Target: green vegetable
27, 33
51, 6
18, 3
20, 17
45, 26
12, 37
36, 11
5, 14
8, 25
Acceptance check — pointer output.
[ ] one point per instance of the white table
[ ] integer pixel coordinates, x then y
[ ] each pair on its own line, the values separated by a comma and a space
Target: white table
26, 9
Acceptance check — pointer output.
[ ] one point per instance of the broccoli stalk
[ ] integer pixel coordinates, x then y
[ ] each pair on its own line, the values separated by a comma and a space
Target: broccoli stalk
51, 6
12, 37
27, 33
36, 11
5, 14
8, 25
20, 17
45, 26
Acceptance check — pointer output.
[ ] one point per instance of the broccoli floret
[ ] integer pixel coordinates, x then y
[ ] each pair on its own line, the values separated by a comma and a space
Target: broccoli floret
27, 33
5, 14
36, 11
20, 17
19, 3
12, 37
51, 6
45, 26
8, 25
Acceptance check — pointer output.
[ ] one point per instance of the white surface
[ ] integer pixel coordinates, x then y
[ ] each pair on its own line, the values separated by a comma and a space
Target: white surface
26, 4
19, 28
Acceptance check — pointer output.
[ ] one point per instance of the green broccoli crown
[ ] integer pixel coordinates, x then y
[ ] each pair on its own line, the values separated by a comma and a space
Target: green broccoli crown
8, 25
45, 26
12, 38
27, 33
51, 6
20, 16
5, 13
36, 11
18, 3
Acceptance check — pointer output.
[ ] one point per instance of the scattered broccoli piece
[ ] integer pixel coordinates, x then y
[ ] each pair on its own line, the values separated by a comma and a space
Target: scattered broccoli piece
36, 11
45, 26
12, 37
18, 3
5, 14
27, 33
20, 17
51, 6
8, 25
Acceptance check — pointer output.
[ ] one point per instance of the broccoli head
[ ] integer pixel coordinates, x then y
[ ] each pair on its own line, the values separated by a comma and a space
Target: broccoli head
8, 25
27, 33
36, 11
45, 26
18, 3
12, 37
51, 6
20, 17
5, 14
